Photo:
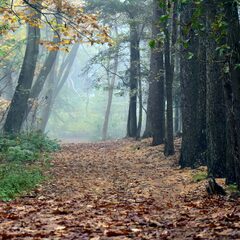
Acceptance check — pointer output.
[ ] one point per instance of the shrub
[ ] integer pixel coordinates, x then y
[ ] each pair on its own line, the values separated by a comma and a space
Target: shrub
26, 147
19, 170
18, 154
15, 179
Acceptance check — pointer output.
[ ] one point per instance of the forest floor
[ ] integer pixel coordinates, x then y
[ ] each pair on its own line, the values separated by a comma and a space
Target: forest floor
119, 190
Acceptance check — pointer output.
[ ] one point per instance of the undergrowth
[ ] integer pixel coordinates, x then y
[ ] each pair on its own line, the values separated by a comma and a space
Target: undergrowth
232, 188
200, 176
23, 158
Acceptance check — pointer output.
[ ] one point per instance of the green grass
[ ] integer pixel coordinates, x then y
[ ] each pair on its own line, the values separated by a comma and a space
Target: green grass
200, 176
23, 159
15, 179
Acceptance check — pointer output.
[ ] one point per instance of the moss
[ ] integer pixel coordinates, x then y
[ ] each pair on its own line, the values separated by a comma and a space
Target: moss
200, 176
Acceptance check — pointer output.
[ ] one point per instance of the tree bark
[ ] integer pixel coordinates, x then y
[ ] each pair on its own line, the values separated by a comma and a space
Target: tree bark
189, 90
134, 75
156, 81
19, 102
201, 103
140, 100
169, 75
216, 111
232, 92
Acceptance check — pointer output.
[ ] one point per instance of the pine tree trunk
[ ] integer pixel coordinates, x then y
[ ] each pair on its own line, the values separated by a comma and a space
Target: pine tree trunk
216, 111
201, 104
156, 82
232, 92
169, 74
189, 90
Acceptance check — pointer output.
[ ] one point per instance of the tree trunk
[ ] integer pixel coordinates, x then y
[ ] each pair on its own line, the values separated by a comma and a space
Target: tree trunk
148, 129
111, 84
189, 90
140, 100
19, 102
156, 103
57, 81
201, 103
216, 116
134, 75
169, 75
49, 98
232, 92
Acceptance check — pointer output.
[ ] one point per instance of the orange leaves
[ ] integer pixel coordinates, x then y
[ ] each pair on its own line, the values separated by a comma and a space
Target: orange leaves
63, 18
119, 190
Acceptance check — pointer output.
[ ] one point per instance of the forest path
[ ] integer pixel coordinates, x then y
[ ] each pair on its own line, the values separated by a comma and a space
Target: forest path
119, 190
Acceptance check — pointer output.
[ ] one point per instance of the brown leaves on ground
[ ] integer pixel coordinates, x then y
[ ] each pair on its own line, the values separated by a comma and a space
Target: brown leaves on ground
119, 190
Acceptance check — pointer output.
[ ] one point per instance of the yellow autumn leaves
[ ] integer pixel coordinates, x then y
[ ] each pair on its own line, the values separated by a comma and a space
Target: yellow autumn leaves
66, 20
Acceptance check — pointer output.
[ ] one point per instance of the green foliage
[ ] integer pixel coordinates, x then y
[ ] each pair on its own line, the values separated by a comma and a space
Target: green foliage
152, 43
200, 176
18, 154
164, 18
26, 147
232, 188
17, 178
20, 169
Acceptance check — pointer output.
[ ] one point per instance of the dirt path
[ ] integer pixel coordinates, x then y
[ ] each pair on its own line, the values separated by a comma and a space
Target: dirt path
119, 190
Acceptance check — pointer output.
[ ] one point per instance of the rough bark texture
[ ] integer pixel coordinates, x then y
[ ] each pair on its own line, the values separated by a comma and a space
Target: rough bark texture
169, 75
156, 82
201, 103
189, 90
19, 102
216, 116
232, 92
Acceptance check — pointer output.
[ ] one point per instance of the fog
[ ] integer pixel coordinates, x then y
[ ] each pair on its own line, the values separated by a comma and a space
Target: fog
79, 110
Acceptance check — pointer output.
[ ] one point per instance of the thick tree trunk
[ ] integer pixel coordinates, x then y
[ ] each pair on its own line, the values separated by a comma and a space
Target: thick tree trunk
134, 75
156, 82
189, 91
232, 92
201, 103
169, 74
216, 111
19, 102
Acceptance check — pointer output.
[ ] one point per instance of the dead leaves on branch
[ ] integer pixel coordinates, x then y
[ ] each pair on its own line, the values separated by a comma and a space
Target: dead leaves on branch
119, 190
67, 21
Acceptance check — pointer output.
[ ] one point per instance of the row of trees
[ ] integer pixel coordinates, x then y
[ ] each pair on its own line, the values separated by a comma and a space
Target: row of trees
192, 71
208, 33
64, 24
194, 45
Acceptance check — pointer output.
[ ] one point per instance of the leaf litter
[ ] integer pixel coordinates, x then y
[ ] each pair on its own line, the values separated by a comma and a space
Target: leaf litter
120, 190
